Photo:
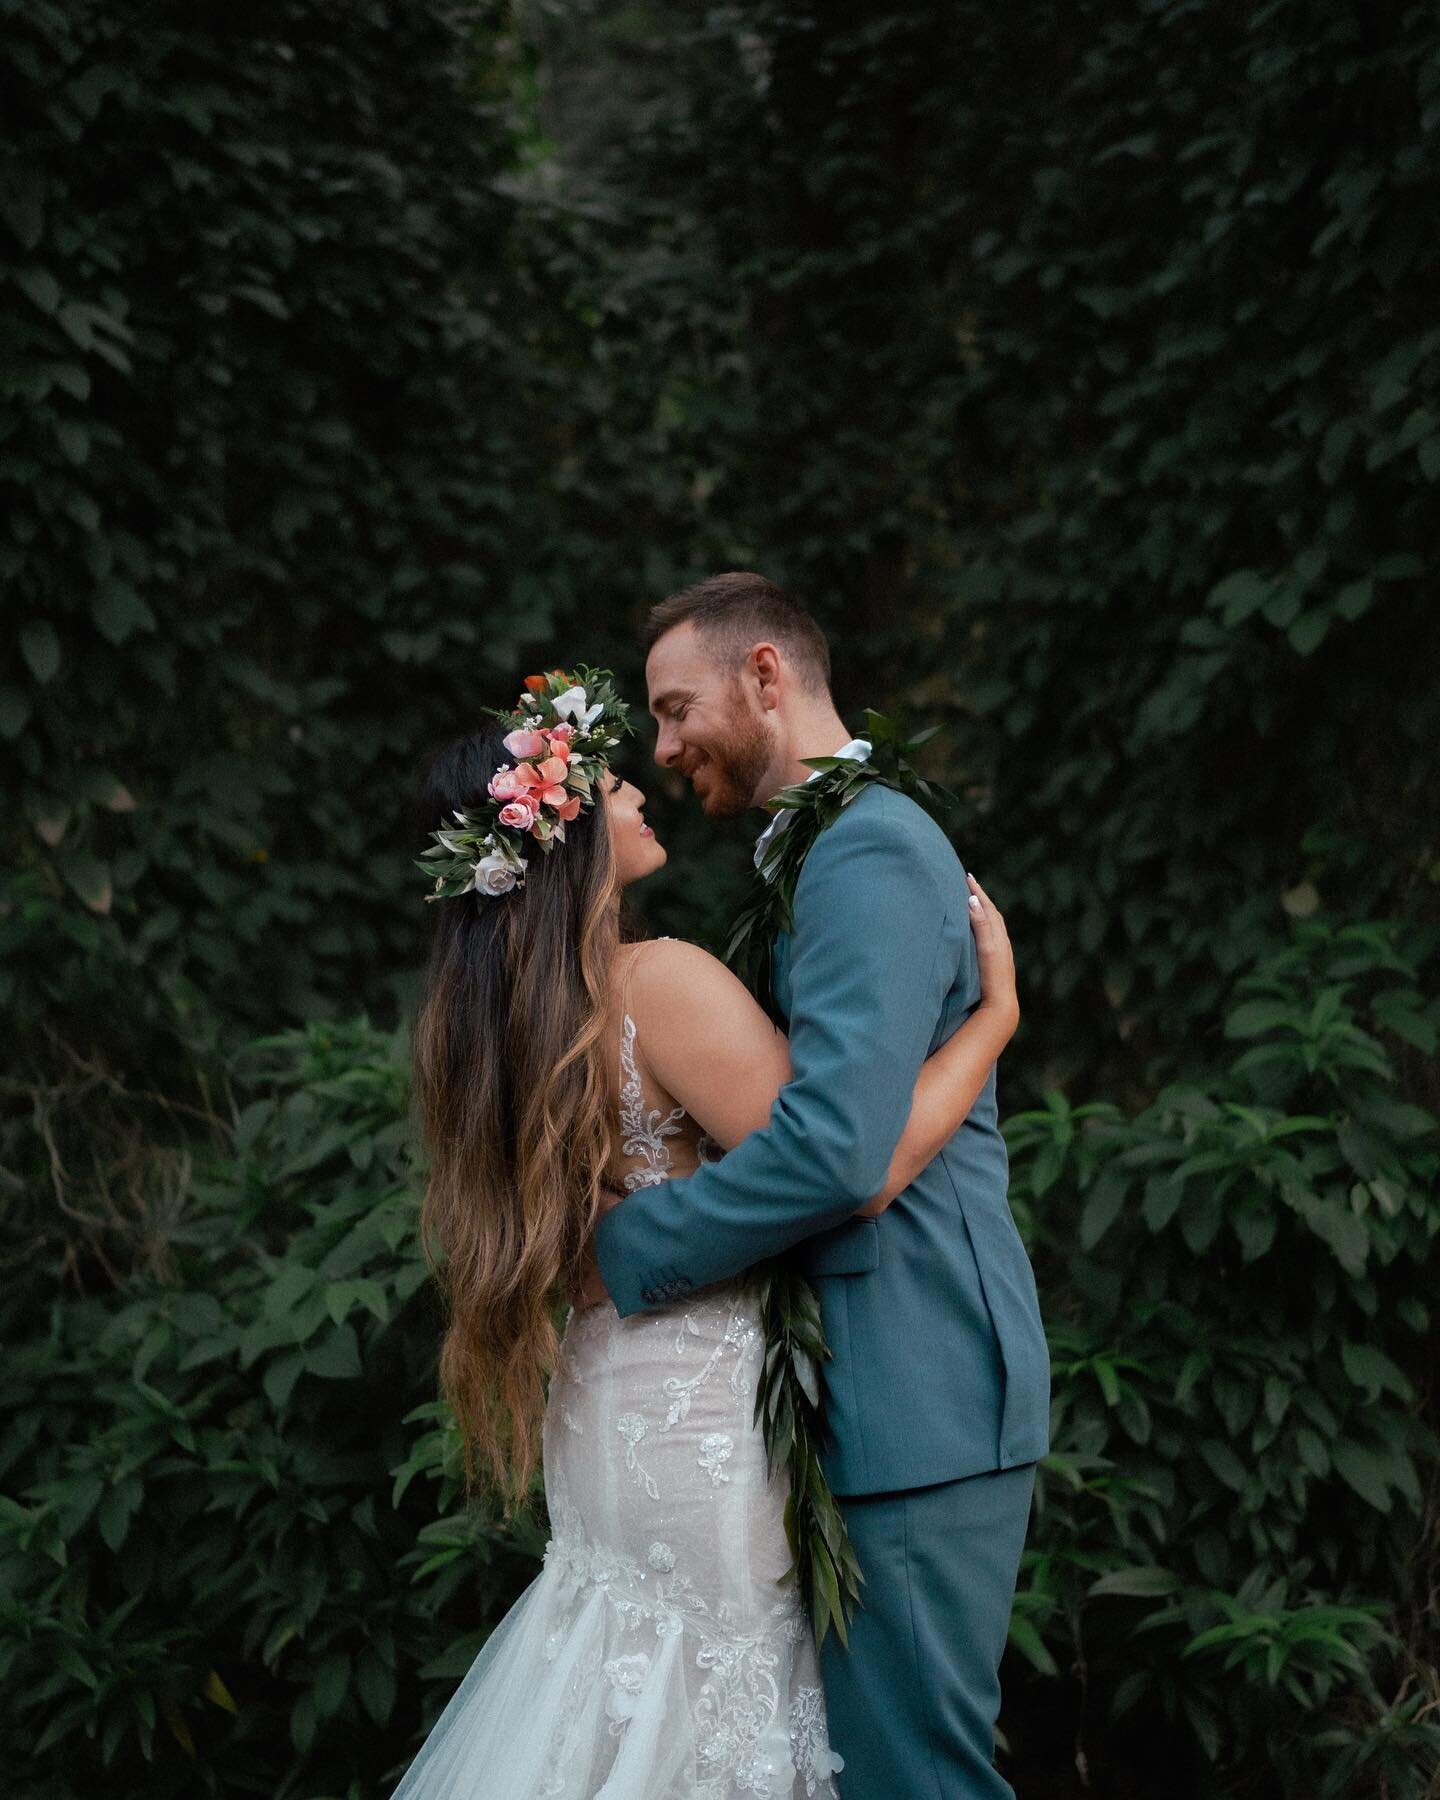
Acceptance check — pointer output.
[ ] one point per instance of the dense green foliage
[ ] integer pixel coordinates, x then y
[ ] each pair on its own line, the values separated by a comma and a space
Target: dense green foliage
229, 1529
1246, 1263
265, 470
1081, 373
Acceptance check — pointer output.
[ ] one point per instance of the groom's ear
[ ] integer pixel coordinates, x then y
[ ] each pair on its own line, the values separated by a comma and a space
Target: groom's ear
766, 668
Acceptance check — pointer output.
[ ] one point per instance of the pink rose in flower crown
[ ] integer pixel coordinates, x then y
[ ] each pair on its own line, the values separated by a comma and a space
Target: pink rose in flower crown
523, 742
561, 734
506, 784
520, 814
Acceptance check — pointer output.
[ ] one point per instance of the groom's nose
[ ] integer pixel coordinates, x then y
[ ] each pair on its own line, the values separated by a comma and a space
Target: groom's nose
667, 744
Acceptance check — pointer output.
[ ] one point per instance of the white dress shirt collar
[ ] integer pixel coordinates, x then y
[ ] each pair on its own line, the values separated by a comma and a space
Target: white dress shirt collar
857, 749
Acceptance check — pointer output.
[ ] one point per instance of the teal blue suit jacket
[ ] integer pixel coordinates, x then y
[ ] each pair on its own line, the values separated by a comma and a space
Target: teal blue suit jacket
939, 1367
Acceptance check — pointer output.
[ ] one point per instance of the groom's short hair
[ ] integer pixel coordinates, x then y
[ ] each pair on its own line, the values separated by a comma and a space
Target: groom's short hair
740, 608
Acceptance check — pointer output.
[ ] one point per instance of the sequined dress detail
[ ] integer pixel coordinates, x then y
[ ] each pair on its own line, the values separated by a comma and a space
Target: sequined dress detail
655, 1656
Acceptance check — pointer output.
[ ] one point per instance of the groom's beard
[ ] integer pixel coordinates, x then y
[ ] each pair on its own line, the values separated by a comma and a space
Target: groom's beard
733, 771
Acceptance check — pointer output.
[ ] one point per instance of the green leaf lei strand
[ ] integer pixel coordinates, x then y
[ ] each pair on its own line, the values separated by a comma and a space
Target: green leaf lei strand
788, 1405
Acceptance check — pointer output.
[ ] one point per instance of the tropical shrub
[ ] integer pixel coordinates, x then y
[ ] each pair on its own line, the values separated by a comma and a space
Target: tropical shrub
231, 1551
1238, 1278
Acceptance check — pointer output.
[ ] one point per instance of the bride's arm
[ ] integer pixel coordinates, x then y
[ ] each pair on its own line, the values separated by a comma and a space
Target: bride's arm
711, 1047
950, 1080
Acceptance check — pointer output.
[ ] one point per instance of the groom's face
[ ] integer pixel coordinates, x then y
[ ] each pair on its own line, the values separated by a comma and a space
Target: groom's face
710, 729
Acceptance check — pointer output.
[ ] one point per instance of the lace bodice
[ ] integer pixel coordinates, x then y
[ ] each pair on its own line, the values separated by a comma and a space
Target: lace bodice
644, 1129
659, 1143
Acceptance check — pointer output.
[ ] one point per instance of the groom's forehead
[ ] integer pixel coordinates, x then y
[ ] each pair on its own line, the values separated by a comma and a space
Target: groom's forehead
677, 663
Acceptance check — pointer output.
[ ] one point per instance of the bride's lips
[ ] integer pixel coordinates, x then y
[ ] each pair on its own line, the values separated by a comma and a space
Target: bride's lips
645, 831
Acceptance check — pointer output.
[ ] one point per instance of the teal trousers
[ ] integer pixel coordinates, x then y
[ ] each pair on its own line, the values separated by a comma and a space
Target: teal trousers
912, 1703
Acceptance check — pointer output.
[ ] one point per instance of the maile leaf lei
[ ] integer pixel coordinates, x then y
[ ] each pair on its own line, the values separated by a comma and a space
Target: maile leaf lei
788, 1403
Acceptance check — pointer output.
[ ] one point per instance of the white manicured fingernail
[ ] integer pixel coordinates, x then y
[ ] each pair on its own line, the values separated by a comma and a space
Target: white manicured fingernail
975, 901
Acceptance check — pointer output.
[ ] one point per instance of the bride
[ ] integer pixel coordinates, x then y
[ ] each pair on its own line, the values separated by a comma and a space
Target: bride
656, 1655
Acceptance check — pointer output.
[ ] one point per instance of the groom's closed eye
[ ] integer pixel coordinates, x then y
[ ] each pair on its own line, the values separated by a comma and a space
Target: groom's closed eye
672, 705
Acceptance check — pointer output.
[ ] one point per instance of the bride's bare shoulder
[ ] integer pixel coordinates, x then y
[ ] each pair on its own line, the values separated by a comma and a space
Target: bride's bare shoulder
660, 965
704, 1039
673, 978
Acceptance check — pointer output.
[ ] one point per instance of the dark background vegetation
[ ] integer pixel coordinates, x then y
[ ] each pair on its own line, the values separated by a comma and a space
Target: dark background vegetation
1078, 365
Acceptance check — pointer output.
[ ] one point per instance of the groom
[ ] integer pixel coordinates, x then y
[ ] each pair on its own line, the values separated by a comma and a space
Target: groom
937, 1396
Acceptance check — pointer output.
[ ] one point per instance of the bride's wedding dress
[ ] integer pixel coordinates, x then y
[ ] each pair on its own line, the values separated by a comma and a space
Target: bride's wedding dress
654, 1657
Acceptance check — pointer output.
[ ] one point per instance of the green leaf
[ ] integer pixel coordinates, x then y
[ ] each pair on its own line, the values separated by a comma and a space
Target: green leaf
1373, 1371
40, 286
1355, 598
1363, 1472
1102, 1208
1163, 1194
90, 879
119, 611
280, 1378
332, 1678
304, 1722
376, 1683
40, 646
1308, 632
15, 710
1239, 595
1145, 1581
1027, 1640
1223, 1463
22, 204
1253, 1017
1254, 1224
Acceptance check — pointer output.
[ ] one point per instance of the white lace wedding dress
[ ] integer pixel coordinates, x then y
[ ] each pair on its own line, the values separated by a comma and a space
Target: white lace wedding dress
654, 1657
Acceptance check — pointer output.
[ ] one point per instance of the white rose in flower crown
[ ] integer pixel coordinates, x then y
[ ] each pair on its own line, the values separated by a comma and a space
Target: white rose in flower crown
573, 705
497, 873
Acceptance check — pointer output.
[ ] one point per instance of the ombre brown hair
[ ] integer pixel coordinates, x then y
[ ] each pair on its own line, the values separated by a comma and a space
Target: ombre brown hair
511, 1082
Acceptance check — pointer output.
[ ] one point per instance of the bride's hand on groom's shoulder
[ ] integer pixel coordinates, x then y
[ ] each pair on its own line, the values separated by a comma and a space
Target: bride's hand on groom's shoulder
998, 996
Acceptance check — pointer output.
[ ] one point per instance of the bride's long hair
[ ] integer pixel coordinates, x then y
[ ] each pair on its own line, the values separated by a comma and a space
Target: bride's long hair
510, 1073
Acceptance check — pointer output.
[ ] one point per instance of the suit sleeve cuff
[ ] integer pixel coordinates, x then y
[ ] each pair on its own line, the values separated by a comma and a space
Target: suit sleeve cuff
628, 1293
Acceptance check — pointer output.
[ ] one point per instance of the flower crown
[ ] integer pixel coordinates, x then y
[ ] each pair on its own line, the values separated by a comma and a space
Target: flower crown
563, 728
